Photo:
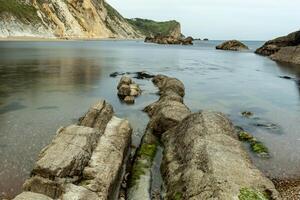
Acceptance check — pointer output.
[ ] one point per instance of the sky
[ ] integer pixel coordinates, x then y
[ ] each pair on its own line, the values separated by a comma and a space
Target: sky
220, 19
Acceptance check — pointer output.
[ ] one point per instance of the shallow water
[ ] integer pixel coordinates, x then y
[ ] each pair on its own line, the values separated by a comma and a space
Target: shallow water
45, 85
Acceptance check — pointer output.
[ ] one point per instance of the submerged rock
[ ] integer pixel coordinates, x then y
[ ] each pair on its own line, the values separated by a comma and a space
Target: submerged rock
247, 114
232, 45
137, 75
283, 49
256, 146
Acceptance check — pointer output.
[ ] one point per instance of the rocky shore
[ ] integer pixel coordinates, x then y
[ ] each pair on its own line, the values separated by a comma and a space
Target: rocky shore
283, 49
232, 45
203, 157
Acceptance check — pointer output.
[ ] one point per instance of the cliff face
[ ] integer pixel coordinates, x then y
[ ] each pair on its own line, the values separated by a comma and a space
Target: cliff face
63, 19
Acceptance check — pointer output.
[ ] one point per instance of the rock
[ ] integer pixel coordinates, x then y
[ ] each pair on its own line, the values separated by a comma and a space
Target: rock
51, 188
247, 114
98, 116
283, 49
169, 109
31, 196
143, 75
74, 145
187, 41
128, 90
203, 160
273, 46
129, 99
205, 39
115, 74
105, 169
74, 192
286, 77
166, 84
82, 163
289, 54
124, 90
138, 75
159, 39
125, 80
232, 45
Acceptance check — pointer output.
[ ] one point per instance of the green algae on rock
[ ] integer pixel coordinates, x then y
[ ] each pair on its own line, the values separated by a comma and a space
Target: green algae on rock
251, 194
256, 146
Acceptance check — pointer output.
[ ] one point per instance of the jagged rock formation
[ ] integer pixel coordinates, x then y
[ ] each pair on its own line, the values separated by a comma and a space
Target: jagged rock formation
162, 39
152, 28
232, 45
283, 49
84, 161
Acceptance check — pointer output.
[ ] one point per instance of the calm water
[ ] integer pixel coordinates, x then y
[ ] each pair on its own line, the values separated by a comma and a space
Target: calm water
45, 85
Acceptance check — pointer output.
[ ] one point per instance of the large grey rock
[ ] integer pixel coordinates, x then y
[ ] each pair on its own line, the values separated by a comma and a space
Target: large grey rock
31, 196
232, 45
98, 116
204, 160
289, 54
68, 153
105, 168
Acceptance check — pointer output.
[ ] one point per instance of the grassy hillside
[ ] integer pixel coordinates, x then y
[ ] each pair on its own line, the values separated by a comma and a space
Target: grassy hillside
22, 11
151, 28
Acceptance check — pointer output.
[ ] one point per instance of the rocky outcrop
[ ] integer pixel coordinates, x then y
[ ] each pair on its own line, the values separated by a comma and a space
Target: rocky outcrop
167, 112
84, 161
152, 28
273, 46
232, 45
203, 158
128, 90
160, 39
283, 49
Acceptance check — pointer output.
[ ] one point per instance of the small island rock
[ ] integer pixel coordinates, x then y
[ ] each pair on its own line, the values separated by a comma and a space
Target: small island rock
232, 45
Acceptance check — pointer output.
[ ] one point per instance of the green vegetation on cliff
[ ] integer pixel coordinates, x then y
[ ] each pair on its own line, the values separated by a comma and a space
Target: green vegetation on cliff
152, 28
23, 11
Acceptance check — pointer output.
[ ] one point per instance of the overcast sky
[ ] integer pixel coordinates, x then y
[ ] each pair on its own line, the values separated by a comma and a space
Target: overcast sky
220, 19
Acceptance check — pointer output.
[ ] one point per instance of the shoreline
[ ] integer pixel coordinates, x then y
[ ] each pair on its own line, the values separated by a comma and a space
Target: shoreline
42, 39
